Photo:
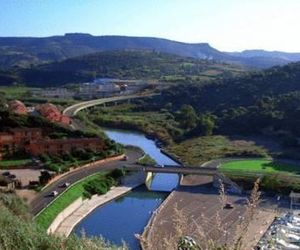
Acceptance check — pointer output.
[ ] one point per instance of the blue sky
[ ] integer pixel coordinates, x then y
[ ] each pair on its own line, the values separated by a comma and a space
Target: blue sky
228, 25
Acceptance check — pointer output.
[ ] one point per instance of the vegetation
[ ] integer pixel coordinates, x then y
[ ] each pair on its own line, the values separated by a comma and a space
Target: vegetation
130, 64
15, 92
146, 160
14, 163
260, 103
156, 124
201, 149
94, 184
77, 158
256, 103
99, 185
259, 166
18, 231
45, 218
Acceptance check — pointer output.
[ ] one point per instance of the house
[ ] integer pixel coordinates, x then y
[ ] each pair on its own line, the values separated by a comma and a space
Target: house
53, 114
17, 107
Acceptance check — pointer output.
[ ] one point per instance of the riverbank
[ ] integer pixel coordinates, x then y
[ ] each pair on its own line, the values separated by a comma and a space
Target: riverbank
67, 224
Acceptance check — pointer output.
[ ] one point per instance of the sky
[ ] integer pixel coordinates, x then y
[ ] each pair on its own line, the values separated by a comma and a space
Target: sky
228, 25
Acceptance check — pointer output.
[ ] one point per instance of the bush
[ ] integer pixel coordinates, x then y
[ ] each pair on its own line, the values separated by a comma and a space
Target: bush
99, 185
117, 173
44, 158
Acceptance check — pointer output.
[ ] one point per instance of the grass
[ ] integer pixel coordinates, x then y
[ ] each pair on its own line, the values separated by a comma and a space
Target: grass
201, 149
260, 166
45, 218
13, 163
15, 92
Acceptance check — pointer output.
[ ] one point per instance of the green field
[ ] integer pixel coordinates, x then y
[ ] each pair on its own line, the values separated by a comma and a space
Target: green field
260, 166
14, 163
15, 92
45, 218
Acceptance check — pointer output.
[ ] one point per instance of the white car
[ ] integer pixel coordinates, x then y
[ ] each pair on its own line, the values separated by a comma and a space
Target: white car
54, 193
66, 184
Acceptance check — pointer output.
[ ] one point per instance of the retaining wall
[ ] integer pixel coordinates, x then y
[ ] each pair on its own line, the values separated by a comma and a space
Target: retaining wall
64, 214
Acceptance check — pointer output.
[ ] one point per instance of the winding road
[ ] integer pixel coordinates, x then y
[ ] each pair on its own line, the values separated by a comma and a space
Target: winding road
43, 198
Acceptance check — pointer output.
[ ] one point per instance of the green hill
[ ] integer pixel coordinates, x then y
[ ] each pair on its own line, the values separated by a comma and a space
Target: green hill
129, 64
266, 102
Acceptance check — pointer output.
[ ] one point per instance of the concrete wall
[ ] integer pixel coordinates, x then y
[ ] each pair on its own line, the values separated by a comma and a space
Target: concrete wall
149, 178
64, 214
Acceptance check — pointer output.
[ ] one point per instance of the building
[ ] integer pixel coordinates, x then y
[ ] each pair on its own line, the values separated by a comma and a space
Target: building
17, 107
53, 114
15, 139
62, 93
31, 141
64, 146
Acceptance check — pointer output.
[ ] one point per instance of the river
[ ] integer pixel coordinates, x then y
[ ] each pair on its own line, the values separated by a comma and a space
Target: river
121, 218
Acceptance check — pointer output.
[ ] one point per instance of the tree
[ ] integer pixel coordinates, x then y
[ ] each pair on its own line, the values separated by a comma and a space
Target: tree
44, 177
206, 124
187, 117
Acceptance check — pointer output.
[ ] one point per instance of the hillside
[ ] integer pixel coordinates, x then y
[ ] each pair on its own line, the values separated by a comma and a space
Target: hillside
129, 64
19, 231
266, 102
26, 51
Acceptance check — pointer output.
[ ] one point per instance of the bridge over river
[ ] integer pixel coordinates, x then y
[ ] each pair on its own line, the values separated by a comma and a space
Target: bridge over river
170, 169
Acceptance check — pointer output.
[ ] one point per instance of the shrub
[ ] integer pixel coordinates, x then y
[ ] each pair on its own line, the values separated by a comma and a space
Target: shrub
117, 173
98, 185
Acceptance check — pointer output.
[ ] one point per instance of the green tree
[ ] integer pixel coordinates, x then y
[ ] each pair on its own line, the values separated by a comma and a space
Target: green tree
206, 124
187, 117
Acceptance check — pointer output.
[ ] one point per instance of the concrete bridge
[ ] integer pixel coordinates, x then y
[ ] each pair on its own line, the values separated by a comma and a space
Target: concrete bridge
74, 109
170, 169
181, 171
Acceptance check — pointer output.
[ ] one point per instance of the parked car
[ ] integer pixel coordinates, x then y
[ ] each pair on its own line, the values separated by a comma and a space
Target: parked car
12, 176
228, 206
6, 173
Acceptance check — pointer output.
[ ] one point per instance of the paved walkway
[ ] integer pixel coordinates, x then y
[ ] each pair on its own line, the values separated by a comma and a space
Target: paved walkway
66, 227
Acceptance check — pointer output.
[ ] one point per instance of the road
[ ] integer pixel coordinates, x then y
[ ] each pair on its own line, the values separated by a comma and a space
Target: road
74, 109
43, 198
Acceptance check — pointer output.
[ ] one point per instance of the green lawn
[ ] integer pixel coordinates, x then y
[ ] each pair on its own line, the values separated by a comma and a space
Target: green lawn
45, 218
261, 166
12, 163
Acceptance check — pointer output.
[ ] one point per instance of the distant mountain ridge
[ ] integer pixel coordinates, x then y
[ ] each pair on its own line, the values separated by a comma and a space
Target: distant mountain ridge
25, 51
287, 56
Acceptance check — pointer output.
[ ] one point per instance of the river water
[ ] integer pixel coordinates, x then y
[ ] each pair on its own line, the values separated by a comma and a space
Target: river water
120, 219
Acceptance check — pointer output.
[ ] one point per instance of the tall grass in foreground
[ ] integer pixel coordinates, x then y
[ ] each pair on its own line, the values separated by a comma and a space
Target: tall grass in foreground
19, 232
184, 226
